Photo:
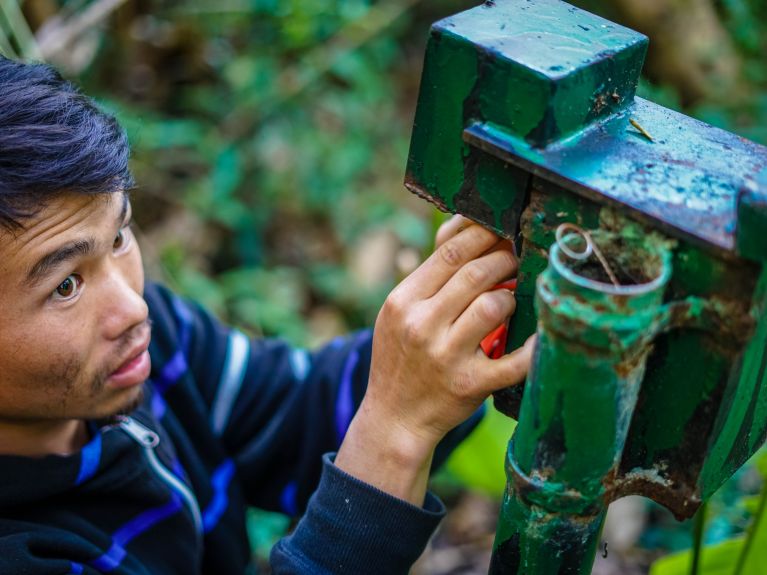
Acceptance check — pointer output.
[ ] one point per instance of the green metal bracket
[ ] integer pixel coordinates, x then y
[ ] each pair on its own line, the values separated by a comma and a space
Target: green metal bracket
527, 120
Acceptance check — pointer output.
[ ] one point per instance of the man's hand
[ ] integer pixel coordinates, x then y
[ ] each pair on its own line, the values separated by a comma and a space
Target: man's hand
428, 372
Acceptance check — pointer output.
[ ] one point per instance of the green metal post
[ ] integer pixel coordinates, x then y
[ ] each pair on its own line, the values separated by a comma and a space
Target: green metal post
593, 341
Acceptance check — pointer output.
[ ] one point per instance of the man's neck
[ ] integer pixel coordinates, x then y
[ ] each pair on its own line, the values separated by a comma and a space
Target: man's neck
37, 439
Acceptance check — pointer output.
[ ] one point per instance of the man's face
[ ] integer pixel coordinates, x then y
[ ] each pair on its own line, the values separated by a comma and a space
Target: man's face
73, 322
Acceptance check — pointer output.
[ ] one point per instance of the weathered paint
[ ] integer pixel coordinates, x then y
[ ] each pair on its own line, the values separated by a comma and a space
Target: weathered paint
562, 544
494, 189
524, 122
449, 73
593, 341
538, 222
741, 427
752, 219
685, 182
497, 78
585, 68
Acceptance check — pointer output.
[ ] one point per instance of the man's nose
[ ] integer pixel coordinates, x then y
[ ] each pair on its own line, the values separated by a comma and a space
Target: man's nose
124, 305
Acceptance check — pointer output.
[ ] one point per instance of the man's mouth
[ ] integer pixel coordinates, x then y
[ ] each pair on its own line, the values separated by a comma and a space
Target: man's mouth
136, 367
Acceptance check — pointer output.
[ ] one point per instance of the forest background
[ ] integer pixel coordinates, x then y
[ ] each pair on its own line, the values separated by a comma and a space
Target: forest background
269, 143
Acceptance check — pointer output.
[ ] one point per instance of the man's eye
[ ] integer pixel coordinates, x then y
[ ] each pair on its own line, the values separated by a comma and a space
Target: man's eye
122, 239
69, 288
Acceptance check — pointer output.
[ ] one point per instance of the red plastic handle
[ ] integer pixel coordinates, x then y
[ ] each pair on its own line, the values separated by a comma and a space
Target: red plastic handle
494, 344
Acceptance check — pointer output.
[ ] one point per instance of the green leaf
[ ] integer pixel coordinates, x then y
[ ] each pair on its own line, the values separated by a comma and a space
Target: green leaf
717, 560
756, 541
760, 459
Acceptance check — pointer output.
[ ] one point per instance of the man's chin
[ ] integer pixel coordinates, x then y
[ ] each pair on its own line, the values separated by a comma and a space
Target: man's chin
133, 404
129, 403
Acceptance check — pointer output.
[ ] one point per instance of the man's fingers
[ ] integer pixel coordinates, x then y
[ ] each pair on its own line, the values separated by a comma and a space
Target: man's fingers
458, 223
511, 369
450, 228
484, 314
434, 273
473, 279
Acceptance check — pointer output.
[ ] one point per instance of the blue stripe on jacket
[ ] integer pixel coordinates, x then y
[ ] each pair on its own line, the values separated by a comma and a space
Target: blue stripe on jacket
89, 458
220, 481
136, 526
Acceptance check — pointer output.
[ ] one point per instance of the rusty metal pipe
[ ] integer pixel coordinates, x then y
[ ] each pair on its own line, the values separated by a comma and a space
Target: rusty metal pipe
593, 341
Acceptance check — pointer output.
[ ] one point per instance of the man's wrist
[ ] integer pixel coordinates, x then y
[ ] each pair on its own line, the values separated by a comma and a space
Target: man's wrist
386, 455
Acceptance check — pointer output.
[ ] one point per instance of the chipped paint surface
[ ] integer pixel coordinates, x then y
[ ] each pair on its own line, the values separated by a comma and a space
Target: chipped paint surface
510, 27
593, 341
687, 182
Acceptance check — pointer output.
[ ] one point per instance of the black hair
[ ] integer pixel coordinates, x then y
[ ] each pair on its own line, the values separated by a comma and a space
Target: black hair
53, 139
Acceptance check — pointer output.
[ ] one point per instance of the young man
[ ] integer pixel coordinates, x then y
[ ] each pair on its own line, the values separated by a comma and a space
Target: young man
134, 428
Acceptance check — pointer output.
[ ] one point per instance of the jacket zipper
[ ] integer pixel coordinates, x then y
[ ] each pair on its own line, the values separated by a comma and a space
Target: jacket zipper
148, 439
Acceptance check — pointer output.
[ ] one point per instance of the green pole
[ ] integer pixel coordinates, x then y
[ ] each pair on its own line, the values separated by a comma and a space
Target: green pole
593, 340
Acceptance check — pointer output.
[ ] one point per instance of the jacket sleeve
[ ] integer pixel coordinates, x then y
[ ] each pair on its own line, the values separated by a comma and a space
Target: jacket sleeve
275, 409
352, 527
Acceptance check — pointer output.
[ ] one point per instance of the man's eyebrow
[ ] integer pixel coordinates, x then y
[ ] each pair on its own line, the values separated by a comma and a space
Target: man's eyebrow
49, 262
72, 250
